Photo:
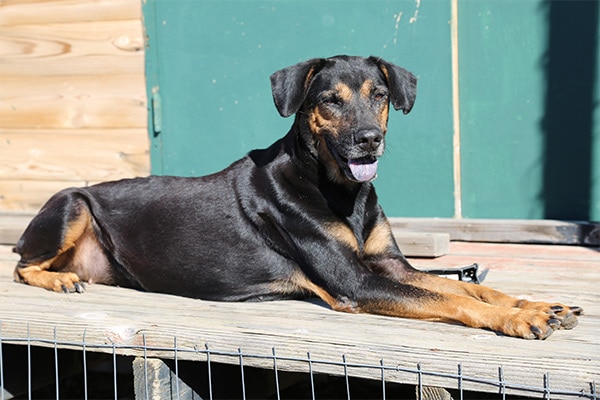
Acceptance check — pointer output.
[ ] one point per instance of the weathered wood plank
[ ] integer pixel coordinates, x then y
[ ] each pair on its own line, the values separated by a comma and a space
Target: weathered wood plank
30, 194
153, 379
127, 317
22, 12
73, 155
512, 231
12, 225
68, 65
86, 48
417, 244
73, 102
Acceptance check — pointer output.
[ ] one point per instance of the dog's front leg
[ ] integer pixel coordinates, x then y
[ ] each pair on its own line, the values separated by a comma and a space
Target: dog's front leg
416, 298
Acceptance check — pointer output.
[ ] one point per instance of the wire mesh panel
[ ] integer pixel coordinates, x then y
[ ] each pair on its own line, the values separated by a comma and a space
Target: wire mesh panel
33, 367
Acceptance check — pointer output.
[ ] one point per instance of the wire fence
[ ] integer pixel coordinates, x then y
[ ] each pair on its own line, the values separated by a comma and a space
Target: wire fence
148, 359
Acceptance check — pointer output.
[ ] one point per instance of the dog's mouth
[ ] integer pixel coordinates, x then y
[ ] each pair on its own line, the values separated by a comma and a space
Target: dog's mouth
363, 169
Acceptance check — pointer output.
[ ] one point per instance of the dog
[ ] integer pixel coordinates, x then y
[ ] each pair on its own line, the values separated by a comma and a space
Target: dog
297, 219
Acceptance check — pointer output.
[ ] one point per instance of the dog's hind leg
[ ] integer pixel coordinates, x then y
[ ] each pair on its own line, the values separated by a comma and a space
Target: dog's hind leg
48, 245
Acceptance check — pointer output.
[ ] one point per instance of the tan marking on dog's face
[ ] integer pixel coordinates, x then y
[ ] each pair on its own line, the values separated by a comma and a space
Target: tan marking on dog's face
319, 122
343, 92
383, 117
343, 234
385, 72
366, 89
325, 118
379, 240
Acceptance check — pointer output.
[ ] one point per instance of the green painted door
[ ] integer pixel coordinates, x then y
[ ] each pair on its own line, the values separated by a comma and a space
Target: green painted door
208, 67
211, 61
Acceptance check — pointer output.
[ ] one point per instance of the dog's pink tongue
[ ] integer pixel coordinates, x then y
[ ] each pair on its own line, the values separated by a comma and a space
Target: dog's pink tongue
363, 171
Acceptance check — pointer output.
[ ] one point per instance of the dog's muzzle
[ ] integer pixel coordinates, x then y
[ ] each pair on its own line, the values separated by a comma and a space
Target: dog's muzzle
361, 161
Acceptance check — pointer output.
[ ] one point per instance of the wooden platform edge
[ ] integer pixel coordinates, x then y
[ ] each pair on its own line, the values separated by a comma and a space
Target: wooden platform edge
580, 233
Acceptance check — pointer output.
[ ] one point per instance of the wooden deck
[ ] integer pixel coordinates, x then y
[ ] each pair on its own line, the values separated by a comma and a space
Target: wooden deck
569, 274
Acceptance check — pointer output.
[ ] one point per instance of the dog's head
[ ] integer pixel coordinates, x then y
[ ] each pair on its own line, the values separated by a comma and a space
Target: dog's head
343, 103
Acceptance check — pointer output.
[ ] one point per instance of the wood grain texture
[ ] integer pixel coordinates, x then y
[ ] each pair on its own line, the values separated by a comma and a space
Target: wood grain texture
73, 102
30, 194
27, 12
86, 48
127, 317
419, 244
72, 97
73, 155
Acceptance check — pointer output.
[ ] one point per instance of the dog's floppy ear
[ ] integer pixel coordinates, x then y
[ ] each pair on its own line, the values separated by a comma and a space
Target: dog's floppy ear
289, 85
401, 83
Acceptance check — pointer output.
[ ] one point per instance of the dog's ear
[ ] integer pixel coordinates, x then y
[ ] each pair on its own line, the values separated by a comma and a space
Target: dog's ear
289, 85
401, 83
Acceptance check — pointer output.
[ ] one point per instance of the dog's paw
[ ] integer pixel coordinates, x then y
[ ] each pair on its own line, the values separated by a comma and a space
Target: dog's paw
567, 316
531, 324
66, 282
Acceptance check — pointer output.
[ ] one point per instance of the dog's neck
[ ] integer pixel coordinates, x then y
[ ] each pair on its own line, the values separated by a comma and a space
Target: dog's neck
346, 197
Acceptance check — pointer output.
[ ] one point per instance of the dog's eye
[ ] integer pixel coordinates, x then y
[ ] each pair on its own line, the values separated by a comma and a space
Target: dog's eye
330, 100
379, 96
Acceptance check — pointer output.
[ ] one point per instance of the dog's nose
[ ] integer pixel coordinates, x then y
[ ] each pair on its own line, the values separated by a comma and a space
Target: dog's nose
369, 140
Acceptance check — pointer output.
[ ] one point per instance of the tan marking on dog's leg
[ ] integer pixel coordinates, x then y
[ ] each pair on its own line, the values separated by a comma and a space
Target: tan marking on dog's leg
452, 308
567, 316
38, 274
342, 233
379, 240
75, 230
344, 305
34, 275
482, 293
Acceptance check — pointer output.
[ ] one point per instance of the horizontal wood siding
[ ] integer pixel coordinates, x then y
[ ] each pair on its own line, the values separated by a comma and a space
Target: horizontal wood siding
72, 96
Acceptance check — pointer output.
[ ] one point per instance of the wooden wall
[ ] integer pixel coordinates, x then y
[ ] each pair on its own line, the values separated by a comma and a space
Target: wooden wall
72, 96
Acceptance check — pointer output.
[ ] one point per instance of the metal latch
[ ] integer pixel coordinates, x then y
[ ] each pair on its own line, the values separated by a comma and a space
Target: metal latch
465, 274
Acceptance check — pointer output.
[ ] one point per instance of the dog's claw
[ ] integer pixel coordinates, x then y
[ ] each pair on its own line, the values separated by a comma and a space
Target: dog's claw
554, 323
76, 288
537, 333
576, 310
79, 287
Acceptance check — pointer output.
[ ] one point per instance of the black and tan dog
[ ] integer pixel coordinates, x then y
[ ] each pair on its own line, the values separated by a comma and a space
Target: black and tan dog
297, 219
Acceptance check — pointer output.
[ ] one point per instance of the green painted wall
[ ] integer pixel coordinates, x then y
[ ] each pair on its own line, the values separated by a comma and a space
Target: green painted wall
529, 109
528, 94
